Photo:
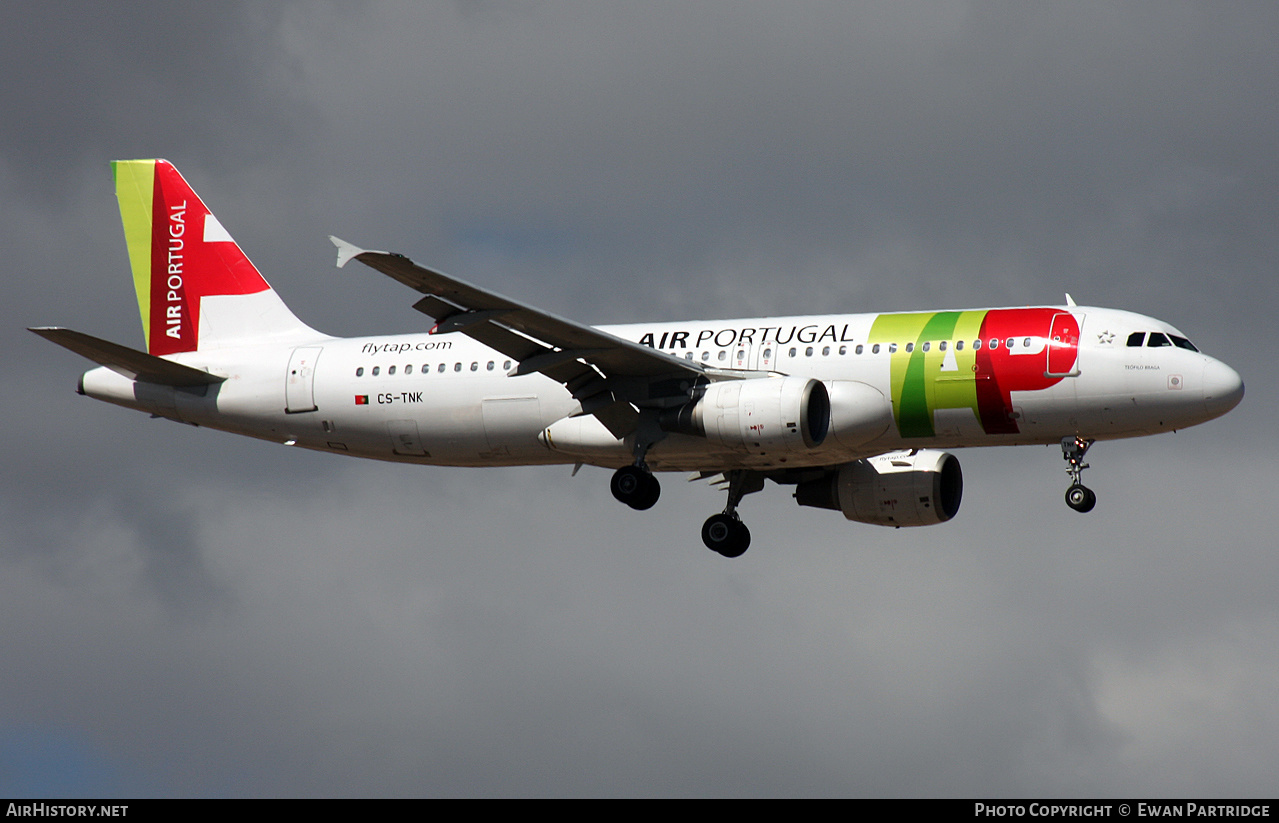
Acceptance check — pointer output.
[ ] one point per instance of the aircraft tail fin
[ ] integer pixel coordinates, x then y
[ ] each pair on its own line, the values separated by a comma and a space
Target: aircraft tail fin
196, 289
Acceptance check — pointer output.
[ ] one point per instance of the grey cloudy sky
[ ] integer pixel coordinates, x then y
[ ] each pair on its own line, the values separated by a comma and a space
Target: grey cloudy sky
190, 614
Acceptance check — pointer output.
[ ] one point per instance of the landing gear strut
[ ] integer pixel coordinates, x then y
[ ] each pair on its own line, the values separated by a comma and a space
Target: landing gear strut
725, 533
1079, 497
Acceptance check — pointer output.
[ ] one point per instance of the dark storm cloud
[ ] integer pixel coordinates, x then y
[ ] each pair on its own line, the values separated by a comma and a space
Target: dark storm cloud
190, 613
87, 82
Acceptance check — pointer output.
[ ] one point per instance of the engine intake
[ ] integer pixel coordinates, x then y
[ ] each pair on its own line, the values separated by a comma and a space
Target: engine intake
922, 487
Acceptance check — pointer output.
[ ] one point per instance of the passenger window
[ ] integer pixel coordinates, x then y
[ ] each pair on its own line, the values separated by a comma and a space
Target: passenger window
994, 342
892, 348
1026, 342
874, 349
925, 346
768, 354
426, 368
741, 355
793, 351
506, 365
1156, 340
475, 367
441, 368
843, 350
359, 372
491, 365
977, 344
408, 369
808, 352
723, 355
706, 356
860, 349
910, 347
390, 371
688, 356
942, 346
376, 369
825, 351
1135, 338
1008, 344
457, 367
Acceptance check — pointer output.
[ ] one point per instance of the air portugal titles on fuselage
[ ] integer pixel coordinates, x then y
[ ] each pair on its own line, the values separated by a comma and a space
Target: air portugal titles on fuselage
749, 336
936, 360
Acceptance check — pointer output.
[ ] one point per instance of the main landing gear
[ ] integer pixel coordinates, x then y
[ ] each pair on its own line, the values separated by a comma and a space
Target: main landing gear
636, 487
725, 533
1079, 497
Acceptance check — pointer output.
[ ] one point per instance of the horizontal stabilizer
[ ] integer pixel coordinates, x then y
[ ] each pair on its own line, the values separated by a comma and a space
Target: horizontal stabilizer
131, 363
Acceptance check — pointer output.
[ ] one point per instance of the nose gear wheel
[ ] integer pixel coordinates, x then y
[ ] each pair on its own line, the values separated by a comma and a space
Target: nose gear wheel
1079, 497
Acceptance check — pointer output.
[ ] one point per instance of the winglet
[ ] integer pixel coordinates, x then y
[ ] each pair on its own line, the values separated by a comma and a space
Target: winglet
1070, 301
346, 251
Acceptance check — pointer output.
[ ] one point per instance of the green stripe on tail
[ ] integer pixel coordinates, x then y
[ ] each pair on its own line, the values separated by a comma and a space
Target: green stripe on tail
135, 189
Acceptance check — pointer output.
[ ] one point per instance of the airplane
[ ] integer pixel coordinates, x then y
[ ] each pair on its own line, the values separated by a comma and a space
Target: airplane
855, 411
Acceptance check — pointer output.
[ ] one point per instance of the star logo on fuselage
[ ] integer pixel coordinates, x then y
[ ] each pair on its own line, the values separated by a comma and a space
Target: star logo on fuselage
1106, 337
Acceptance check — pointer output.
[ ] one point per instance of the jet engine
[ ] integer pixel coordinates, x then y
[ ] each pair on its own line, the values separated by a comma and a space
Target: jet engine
763, 416
859, 413
921, 487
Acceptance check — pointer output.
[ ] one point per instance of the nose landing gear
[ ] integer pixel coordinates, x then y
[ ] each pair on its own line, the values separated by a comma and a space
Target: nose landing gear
1079, 497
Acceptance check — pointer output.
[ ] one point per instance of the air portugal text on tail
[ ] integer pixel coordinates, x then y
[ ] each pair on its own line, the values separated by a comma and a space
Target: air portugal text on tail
853, 410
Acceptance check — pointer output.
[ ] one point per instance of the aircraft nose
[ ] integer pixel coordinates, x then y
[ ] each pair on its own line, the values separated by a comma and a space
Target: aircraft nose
1222, 386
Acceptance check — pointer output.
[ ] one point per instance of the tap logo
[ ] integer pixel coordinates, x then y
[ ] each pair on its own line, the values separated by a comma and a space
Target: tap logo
974, 360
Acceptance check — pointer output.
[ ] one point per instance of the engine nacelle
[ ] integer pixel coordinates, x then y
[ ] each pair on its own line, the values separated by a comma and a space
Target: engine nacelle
859, 413
765, 415
922, 487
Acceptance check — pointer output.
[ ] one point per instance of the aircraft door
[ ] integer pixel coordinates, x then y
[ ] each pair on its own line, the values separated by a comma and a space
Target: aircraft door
299, 383
1063, 345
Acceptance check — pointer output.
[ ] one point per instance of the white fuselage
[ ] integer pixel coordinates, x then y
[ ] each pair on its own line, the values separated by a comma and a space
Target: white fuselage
446, 399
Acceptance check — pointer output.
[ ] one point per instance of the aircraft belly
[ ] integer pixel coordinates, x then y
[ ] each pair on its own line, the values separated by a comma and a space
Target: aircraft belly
511, 426
1048, 414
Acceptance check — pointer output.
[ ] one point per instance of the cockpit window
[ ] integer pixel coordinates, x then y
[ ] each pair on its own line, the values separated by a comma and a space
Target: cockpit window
1156, 340
1136, 338
1182, 343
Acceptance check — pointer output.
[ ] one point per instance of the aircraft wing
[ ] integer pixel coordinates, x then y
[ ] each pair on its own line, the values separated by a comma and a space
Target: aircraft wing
607, 374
